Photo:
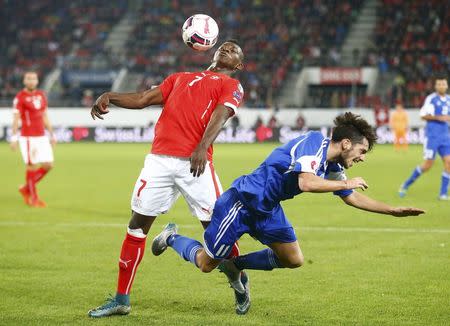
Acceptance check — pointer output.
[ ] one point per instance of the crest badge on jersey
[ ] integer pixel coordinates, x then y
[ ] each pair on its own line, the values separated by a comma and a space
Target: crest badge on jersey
237, 95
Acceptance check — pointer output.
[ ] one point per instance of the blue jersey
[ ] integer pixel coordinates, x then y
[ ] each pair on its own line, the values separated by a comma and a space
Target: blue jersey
436, 105
276, 179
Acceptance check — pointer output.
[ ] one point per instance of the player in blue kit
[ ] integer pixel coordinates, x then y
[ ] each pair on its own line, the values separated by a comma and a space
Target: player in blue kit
309, 163
436, 113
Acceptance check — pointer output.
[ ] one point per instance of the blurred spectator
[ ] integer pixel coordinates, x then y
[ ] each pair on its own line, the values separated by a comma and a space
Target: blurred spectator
273, 122
398, 122
88, 98
235, 123
258, 123
39, 35
300, 123
277, 37
412, 40
263, 133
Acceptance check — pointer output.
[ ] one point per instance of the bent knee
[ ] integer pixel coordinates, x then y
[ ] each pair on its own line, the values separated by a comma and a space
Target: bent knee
294, 261
206, 268
48, 166
447, 166
426, 166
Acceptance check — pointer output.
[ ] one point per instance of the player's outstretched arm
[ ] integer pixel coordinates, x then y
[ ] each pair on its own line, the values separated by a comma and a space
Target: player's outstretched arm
132, 101
199, 155
366, 203
309, 182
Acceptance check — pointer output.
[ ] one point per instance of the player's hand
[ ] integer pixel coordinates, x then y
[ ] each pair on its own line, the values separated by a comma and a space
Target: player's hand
100, 106
357, 183
406, 211
53, 140
13, 145
198, 161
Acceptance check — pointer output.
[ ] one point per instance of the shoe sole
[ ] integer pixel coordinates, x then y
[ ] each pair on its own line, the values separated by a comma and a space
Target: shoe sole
157, 247
248, 303
119, 311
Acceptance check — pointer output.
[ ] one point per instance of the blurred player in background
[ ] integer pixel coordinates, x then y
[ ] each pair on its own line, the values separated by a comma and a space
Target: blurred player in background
435, 112
30, 107
196, 106
309, 163
399, 126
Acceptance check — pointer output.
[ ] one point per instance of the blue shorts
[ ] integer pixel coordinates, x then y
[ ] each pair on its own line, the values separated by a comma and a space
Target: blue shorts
231, 219
434, 145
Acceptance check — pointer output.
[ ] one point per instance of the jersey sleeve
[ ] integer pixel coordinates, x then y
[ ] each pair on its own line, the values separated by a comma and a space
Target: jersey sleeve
167, 86
232, 94
307, 154
336, 172
16, 105
428, 107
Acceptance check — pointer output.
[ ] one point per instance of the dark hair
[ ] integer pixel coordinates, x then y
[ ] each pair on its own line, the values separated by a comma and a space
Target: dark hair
232, 40
439, 76
30, 71
354, 127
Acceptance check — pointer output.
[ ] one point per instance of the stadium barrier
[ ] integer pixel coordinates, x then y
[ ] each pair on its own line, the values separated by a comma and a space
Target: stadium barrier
124, 126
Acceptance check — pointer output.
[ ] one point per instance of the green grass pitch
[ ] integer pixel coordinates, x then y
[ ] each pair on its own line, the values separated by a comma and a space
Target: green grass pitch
361, 269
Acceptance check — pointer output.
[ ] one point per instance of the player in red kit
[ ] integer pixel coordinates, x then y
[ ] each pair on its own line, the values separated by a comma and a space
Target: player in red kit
195, 107
30, 107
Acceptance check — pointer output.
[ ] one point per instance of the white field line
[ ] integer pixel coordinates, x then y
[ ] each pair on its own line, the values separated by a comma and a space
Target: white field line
195, 226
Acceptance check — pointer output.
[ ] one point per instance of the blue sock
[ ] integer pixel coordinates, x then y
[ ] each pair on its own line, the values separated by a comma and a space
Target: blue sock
444, 183
186, 247
264, 260
416, 173
123, 299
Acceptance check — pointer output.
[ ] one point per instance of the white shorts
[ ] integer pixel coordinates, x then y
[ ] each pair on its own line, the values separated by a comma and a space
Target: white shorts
36, 149
164, 178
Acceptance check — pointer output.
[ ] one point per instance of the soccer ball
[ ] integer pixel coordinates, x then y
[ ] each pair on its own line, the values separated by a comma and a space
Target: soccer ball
200, 32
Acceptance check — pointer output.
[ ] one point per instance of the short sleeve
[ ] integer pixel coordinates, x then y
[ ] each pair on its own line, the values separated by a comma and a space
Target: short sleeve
232, 94
336, 172
427, 108
16, 105
167, 86
307, 153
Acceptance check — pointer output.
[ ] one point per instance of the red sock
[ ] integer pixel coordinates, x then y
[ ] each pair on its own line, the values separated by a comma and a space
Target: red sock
31, 186
130, 257
234, 251
39, 174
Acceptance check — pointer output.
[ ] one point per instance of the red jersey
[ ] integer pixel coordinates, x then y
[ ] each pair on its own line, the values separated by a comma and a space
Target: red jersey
189, 101
31, 107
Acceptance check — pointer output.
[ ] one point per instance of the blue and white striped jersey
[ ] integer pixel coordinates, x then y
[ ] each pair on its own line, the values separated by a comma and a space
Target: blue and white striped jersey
276, 179
436, 105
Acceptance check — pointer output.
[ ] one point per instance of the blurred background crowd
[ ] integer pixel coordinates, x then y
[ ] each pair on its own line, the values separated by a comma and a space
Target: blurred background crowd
409, 42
